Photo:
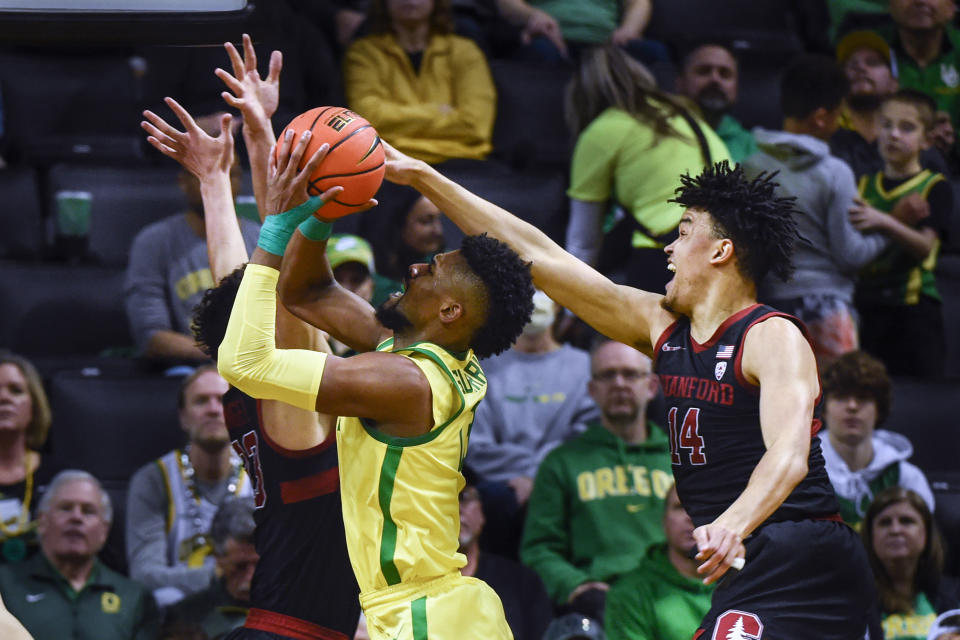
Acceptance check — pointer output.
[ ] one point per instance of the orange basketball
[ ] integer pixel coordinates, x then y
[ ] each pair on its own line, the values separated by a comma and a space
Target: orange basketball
354, 162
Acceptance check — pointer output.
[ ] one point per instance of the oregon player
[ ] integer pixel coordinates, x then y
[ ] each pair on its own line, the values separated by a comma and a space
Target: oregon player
413, 395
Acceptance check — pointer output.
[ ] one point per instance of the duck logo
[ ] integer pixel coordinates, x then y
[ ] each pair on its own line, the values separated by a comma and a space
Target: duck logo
737, 625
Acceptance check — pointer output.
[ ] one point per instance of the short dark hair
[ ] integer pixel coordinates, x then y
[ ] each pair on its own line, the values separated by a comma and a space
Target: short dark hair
212, 313
812, 81
760, 223
691, 46
509, 287
859, 374
925, 105
234, 519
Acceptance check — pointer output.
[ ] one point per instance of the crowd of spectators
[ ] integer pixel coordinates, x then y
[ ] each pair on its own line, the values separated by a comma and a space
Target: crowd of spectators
569, 512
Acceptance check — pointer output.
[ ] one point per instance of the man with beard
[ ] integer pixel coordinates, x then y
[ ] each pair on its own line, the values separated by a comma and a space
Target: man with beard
406, 401
598, 499
708, 76
866, 61
64, 591
172, 500
740, 382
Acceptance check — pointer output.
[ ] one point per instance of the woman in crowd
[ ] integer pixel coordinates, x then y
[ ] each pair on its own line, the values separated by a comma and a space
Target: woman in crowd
24, 473
906, 553
427, 91
633, 143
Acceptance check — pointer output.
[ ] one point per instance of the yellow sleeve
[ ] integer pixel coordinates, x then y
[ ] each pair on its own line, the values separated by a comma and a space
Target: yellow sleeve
248, 357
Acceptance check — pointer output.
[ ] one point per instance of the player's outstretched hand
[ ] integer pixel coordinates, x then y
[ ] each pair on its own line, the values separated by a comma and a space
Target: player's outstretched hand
287, 186
718, 549
257, 98
400, 168
198, 152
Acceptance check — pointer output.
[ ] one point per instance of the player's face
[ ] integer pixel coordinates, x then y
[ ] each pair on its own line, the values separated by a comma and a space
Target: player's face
902, 135
202, 411
471, 516
689, 258
425, 287
423, 229
710, 78
621, 382
869, 73
16, 404
73, 524
677, 524
237, 564
850, 418
899, 533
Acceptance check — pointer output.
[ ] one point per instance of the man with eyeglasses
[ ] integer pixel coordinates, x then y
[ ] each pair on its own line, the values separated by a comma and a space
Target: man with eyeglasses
598, 500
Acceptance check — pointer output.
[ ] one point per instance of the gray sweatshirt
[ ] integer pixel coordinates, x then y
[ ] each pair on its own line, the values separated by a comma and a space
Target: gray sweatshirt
831, 250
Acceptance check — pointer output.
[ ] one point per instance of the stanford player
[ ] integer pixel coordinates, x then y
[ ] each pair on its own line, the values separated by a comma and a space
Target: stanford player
742, 389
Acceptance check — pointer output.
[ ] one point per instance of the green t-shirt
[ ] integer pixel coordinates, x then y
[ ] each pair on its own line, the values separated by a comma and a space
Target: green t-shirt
620, 158
740, 142
913, 625
583, 20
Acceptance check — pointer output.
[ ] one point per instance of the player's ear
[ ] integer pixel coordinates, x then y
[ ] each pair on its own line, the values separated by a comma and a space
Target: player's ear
450, 310
723, 251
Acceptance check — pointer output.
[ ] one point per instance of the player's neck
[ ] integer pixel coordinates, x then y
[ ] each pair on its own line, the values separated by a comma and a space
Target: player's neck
684, 565
210, 466
728, 296
857, 455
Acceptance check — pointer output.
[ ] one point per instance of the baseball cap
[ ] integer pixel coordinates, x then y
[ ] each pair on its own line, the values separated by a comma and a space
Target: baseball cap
574, 626
344, 248
945, 623
858, 40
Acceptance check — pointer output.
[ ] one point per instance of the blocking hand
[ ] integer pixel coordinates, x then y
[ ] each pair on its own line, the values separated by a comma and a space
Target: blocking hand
199, 153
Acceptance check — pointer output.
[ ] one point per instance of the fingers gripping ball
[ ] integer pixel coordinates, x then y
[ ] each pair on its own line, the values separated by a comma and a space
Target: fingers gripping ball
354, 162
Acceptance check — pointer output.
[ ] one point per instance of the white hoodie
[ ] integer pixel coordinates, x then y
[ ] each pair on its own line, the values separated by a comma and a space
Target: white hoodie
889, 448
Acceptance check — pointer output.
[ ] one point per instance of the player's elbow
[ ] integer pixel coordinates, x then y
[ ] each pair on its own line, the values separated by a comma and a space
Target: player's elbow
227, 364
795, 469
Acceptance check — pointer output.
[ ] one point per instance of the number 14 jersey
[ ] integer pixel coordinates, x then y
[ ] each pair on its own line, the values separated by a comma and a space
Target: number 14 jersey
713, 419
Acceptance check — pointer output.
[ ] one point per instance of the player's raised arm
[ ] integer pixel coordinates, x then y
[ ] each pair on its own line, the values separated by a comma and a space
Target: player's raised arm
788, 392
570, 282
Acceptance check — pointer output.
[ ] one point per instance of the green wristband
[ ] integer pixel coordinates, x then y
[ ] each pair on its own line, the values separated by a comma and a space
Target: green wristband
314, 229
278, 229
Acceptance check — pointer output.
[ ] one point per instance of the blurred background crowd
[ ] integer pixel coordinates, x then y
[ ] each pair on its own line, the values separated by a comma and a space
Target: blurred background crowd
123, 511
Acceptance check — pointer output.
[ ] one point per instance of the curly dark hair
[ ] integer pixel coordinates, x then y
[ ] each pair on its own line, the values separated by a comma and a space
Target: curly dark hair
761, 224
211, 315
859, 374
509, 287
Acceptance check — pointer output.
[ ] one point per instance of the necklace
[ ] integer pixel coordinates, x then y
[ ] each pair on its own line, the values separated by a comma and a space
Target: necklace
193, 499
14, 547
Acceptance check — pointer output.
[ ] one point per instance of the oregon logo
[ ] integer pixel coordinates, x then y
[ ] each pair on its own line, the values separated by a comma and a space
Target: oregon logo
342, 119
110, 602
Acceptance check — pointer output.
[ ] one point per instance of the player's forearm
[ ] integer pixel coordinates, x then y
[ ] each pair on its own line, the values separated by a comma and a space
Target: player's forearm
225, 247
259, 140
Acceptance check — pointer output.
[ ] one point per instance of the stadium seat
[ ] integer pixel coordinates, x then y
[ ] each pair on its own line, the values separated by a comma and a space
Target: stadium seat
21, 216
948, 282
771, 21
924, 411
114, 552
111, 425
58, 310
946, 493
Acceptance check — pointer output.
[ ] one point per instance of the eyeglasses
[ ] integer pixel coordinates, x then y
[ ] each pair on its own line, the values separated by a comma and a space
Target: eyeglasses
629, 375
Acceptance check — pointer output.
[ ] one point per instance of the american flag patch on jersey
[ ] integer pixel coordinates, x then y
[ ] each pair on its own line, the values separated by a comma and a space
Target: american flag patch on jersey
725, 351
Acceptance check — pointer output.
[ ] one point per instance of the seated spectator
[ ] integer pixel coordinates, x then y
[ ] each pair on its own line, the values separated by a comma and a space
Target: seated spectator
633, 144
525, 601
559, 31
536, 399
427, 91
598, 500
906, 553
223, 605
168, 273
865, 59
64, 591
708, 76
413, 233
172, 500
862, 460
946, 626
821, 290
351, 259
897, 295
664, 598
24, 471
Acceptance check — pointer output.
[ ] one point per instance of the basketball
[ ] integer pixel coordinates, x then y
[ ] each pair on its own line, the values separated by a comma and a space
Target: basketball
354, 162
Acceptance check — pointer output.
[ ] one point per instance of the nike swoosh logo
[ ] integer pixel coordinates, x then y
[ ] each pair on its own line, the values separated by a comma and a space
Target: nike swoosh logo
670, 347
35, 597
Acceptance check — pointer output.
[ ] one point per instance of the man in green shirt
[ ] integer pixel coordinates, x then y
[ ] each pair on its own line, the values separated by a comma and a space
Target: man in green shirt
663, 598
597, 500
708, 76
64, 591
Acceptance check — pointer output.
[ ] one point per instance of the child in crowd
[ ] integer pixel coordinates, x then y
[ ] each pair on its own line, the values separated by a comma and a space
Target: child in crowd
897, 297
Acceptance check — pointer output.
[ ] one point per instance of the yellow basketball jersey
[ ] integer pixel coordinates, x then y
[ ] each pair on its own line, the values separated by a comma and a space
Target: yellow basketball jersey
401, 507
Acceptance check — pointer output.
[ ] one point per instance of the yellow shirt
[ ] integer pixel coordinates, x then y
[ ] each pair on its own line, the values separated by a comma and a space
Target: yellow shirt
401, 507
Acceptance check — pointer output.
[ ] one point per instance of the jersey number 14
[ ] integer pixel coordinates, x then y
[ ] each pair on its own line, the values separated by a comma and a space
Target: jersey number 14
686, 436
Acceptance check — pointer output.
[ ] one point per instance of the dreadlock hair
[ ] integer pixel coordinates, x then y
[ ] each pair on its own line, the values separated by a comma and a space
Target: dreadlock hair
509, 287
761, 225
211, 315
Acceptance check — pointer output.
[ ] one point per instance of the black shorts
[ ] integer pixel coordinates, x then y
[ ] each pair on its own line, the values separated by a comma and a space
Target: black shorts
802, 580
